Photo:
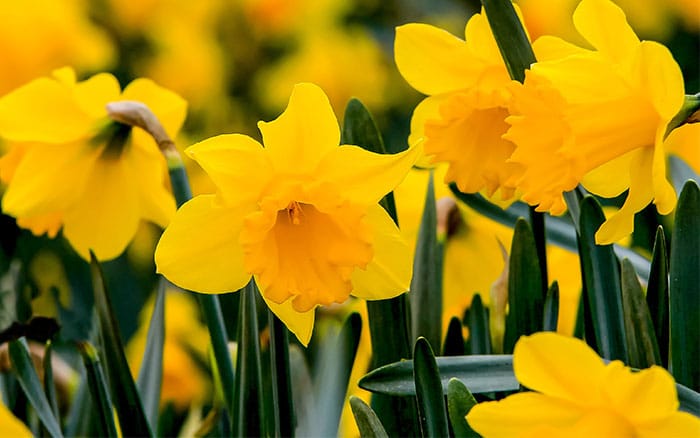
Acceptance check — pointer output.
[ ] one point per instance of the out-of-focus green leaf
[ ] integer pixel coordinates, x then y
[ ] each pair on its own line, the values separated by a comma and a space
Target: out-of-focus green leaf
282, 402
481, 374
689, 400
684, 274
478, 323
459, 402
151, 373
426, 284
49, 386
551, 308
101, 401
657, 295
331, 383
601, 284
388, 319
454, 340
525, 291
367, 421
132, 419
23, 368
248, 395
431, 402
641, 339
680, 172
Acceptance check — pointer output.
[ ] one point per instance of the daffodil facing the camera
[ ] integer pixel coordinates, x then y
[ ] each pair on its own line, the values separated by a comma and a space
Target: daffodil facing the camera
300, 215
71, 166
597, 117
578, 395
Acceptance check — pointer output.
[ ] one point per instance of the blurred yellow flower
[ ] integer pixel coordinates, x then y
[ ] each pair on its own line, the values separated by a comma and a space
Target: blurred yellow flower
597, 118
71, 166
578, 395
10, 425
186, 338
300, 215
463, 117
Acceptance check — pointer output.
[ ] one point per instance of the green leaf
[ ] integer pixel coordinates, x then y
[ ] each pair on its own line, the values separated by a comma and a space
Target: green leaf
431, 402
525, 292
23, 368
132, 419
49, 386
426, 284
510, 36
539, 233
601, 284
459, 402
551, 308
454, 341
337, 356
657, 295
282, 401
641, 339
684, 280
481, 374
150, 376
689, 400
248, 395
478, 323
101, 401
366, 419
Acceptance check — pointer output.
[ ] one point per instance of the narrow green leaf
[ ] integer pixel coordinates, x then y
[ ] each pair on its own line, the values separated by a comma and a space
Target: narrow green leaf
426, 284
431, 402
525, 291
459, 402
26, 375
388, 319
49, 386
331, 383
248, 402
641, 339
454, 340
601, 284
366, 419
478, 323
79, 421
510, 36
684, 274
101, 401
689, 400
537, 222
481, 374
282, 401
657, 295
680, 172
150, 376
132, 419
551, 308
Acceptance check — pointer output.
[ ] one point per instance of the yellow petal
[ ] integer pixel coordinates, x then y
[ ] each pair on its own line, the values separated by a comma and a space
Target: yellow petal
365, 177
604, 25
389, 272
683, 142
95, 93
299, 323
44, 110
305, 132
552, 364
236, 163
106, 216
432, 60
427, 109
49, 223
679, 424
10, 425
521, 414
156, 203
170, 108
658, 74
612, 178
481, 42
549, 48
200, 251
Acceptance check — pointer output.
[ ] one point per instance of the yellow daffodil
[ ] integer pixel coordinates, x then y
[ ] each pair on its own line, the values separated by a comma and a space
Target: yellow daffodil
463, 117
71, 166
597, 117
578, 395
300, 215
10, 425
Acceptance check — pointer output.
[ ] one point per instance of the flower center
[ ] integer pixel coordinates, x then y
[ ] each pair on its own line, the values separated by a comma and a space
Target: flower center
114, 136
294, 213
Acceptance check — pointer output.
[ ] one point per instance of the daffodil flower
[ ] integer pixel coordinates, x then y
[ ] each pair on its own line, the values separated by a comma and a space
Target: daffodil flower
463, 117
597, 117
300, 215
578, 395
11, 425
70, 166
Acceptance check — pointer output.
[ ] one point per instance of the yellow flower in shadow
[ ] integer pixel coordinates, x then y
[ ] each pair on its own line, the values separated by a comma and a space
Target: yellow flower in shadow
301, 215
10, 425
70, 166
578, 395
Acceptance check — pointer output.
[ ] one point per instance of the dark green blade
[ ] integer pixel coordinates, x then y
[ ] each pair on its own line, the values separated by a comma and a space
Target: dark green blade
431, 402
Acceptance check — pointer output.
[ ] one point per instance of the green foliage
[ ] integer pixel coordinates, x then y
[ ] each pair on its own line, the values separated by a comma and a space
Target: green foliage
97, 383
367, 421
459, 402
431, 403
657, 295
282, 402
478, 324
641, 339
150, 377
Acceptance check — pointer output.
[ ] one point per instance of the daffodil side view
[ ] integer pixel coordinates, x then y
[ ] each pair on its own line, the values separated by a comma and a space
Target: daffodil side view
358, 219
